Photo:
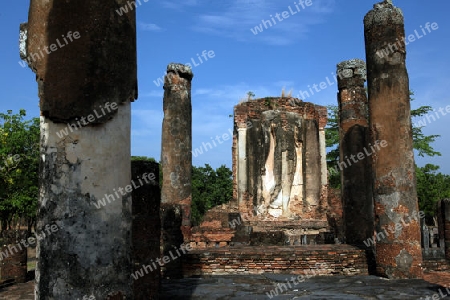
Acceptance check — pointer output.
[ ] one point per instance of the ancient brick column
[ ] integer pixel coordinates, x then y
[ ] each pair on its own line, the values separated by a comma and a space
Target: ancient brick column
176, 163
354, 163
84, 57
398, 251
146, 230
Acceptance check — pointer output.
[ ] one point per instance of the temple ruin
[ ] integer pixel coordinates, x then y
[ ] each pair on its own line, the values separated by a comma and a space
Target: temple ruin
279, 164
283, 215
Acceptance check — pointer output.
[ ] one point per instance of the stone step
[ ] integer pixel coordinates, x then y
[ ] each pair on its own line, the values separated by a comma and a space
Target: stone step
436, 265
303, 259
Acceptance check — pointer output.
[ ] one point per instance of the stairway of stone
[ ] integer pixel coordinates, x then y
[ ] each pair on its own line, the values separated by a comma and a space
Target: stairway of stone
226, 244
215, 230
438, 265
221, 227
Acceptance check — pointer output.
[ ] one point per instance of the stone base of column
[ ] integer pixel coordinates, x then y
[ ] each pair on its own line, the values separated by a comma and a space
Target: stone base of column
406, 264
171, 240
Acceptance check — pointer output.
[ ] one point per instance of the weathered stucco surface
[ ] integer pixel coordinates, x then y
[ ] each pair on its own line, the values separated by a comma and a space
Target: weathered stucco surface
90, 253
90, 160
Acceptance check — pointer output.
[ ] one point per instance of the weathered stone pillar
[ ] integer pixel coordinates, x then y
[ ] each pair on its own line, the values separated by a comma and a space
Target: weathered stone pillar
146, 230
398, 251
356, 183
176, 162
356, 180
84, 57
312, 163
445, 210
323, 119
242, 165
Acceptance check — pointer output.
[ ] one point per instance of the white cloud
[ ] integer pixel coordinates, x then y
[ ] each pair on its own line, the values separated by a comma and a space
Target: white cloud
202, 92
149, 27
238, 18
179, 4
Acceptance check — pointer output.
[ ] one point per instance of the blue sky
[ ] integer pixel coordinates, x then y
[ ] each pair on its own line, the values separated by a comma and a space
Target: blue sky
302, 49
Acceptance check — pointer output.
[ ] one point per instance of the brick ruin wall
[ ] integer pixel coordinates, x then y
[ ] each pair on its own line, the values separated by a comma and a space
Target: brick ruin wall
278, 154
318, 259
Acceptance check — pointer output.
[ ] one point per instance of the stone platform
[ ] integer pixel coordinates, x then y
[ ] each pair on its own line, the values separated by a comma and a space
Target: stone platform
254, 287
302, 259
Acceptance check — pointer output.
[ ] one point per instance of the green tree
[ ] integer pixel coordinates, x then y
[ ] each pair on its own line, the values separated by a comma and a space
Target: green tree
431, 187
422, 142
332, 141
144, 158
19, 167
209, 188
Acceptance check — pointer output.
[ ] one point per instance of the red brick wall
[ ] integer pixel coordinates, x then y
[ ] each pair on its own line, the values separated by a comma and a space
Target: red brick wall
335, 213
336, 259
436, 265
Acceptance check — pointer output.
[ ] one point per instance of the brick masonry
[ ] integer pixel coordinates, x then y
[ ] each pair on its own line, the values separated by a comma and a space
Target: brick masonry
279, 141
435, 265
337, 259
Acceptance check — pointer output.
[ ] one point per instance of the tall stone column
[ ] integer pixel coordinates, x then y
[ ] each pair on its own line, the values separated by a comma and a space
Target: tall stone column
176, 162
84, 57
312, 163
354, 138
323, 119
398, 250
356, 181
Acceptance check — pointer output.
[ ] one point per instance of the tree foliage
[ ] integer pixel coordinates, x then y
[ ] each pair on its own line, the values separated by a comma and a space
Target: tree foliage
19, 167
142, 158
209, 188
431, 187
332, 141
422, 142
